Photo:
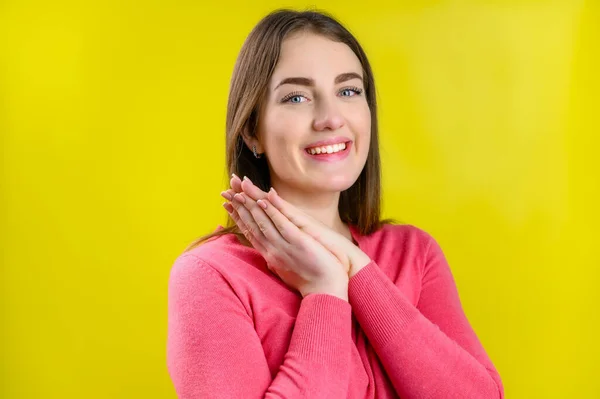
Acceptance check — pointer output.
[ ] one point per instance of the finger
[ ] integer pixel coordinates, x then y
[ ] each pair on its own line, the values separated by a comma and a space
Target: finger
228, 207
307, 224
228, 195
252, 190
293, 234
295, 215
288, 230
261, 221
236, 183
251, 235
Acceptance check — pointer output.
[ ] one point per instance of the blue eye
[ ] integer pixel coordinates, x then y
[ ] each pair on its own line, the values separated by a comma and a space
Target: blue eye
350, 92
294, 98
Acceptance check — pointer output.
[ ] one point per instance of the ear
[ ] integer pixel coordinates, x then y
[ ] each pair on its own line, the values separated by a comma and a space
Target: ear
251, 141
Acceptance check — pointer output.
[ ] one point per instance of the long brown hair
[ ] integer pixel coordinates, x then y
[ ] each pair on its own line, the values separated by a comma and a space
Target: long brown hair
359, 204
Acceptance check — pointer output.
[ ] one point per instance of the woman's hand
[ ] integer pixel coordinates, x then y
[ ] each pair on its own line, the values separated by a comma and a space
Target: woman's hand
352, 257
297, 258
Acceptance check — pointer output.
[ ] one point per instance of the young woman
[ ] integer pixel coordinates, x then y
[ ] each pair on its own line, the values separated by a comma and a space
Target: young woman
307, 293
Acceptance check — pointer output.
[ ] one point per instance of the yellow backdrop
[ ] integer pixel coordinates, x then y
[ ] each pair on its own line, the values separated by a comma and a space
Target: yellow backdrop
112, 120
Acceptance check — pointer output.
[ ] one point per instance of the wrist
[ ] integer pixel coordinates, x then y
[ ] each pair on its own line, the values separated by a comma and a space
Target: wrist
358, 260
337, 288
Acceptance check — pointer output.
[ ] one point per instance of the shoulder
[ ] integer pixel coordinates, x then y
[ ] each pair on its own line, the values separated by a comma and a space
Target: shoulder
190, 270
222, 258
416, 246
199, 290
406, 244
405, 236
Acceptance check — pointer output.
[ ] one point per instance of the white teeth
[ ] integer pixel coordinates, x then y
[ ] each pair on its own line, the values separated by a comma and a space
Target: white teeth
329, 149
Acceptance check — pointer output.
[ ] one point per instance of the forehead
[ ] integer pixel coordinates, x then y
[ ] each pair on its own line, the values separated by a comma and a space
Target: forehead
314, 56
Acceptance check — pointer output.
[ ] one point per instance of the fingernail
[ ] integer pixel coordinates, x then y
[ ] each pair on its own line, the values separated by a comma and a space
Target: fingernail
227, 207
240, 198
262, 204
226, 195
272, 189
234, 175
248, 179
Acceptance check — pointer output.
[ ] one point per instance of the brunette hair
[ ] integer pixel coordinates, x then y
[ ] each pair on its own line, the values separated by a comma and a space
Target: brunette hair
360, 204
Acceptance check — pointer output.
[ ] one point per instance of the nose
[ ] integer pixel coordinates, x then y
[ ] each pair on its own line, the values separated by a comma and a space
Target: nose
328, 116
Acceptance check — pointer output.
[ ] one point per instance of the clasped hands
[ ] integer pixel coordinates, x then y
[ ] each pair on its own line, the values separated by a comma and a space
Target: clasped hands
302, 251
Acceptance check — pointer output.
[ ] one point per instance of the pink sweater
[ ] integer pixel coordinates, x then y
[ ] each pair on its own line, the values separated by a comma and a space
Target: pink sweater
237, 331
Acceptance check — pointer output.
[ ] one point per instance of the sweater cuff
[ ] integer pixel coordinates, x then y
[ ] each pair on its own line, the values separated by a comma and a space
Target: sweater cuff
379, 305
323, 328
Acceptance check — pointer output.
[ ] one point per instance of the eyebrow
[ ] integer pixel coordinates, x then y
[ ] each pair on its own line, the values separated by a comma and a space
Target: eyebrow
310, 82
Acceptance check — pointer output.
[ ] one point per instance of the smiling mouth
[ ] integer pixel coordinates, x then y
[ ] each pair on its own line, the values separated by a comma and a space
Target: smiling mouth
327, 149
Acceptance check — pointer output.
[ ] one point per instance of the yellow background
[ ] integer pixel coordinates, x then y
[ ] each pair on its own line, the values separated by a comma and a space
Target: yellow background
112, 117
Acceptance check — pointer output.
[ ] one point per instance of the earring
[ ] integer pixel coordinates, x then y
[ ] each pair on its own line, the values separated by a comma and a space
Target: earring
254, 152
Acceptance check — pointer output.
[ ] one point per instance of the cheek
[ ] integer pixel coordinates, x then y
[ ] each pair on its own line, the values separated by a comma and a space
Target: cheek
281, 128
278, 142
360, 119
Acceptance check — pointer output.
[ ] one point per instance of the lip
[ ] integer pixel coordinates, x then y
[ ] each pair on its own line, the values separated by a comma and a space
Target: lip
333, 157
331, 141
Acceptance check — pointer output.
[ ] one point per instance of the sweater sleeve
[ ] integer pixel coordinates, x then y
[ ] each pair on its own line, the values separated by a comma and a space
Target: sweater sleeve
213, 350
428, 351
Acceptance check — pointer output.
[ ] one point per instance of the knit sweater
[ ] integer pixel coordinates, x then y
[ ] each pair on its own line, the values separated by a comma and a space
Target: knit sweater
235, 330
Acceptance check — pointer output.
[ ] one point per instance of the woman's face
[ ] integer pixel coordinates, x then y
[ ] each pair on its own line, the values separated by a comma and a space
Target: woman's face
315, 123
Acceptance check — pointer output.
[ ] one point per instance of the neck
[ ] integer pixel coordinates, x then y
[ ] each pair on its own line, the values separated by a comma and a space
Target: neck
321, 206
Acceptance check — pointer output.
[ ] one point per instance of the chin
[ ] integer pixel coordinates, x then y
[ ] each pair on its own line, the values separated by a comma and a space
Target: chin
337, 184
